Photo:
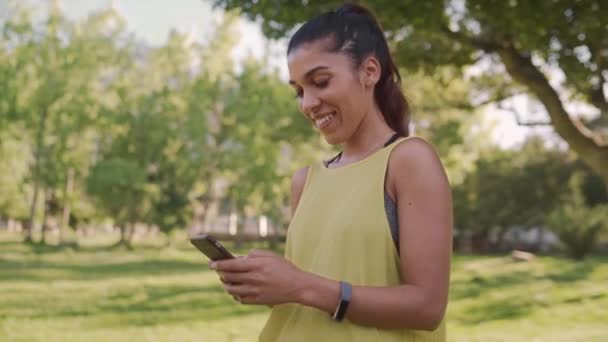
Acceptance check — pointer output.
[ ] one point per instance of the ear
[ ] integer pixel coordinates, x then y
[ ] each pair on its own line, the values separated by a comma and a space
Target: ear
369, 72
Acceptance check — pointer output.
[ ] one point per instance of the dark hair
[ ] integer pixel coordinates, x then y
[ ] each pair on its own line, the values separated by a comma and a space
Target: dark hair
354, 31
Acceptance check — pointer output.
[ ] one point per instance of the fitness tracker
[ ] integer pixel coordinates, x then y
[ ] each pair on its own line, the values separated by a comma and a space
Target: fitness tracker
346, 292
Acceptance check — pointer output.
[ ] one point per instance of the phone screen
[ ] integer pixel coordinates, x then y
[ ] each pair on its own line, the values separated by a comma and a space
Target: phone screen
211, 247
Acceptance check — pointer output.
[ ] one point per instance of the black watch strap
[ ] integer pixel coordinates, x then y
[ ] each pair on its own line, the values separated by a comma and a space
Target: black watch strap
346, 293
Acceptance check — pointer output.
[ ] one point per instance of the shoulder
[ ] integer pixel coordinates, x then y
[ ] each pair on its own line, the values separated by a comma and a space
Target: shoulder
412, 152
415, 160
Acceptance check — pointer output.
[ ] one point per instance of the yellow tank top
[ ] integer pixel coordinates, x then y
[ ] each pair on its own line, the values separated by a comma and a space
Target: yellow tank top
340, 231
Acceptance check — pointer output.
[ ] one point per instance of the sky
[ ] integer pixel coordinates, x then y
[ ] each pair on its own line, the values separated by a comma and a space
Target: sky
152, 20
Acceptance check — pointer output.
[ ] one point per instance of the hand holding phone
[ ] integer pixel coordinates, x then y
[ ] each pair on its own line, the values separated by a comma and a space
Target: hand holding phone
209, 246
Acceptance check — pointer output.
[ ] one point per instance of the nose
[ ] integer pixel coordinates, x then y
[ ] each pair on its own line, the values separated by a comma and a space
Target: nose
309, 102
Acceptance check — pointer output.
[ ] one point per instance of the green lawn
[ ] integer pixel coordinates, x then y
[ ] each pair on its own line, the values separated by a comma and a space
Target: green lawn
168, 294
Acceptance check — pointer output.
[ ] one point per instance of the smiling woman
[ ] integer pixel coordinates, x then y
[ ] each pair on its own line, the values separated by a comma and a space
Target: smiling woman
337, 59
369, 245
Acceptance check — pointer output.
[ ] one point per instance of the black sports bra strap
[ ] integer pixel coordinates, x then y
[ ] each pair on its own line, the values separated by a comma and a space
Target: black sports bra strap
392, 139
333, 159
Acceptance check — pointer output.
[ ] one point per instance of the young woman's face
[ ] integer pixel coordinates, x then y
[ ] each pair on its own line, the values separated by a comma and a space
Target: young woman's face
329, 92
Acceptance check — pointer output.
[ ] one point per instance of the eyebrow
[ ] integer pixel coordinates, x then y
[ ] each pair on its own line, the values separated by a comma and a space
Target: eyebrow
310, 72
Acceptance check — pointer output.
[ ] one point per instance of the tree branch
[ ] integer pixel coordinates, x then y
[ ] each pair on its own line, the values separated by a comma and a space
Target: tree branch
498, 98
579, 137
519, 120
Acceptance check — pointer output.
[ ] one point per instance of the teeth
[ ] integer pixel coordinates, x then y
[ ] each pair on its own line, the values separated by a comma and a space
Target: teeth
322, 121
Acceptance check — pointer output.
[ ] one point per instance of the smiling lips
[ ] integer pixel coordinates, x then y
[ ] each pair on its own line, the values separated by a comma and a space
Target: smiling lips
324, 120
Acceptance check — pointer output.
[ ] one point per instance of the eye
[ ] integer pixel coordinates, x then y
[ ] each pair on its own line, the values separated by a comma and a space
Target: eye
322, 84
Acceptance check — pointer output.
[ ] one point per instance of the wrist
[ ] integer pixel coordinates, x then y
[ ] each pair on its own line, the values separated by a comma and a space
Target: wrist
304, 292
318, 292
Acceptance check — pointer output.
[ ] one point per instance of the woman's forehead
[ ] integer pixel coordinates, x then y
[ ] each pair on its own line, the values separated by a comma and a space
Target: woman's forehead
310, 58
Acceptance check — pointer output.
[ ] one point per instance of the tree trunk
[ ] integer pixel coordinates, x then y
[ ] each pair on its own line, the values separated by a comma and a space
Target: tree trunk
37, 158
132, 231
67, 206
45, 209
123, 234
588, 147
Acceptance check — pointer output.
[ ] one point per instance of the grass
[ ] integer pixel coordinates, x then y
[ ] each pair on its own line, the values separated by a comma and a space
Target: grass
168, 294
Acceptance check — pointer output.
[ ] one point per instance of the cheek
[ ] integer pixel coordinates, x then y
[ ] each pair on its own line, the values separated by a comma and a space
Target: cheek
338, 96
349, 104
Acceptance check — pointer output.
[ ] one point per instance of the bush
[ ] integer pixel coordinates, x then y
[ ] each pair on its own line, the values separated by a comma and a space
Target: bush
577, 224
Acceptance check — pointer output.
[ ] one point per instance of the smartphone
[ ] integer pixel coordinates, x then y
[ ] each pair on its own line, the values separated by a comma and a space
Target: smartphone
209, 246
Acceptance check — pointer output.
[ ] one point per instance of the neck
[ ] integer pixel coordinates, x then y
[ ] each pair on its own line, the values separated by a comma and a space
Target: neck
369, 137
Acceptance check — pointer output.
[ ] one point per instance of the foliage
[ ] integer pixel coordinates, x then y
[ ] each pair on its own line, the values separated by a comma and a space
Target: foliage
119, 187
510, 188
261, 120
447, 119
15, 154
518, 45
139, 134
53, 75
577, 224
95, 125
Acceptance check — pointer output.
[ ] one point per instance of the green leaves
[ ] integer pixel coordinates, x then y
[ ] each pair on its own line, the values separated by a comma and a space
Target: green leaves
119, 186
523, 42
577, 224
15, 156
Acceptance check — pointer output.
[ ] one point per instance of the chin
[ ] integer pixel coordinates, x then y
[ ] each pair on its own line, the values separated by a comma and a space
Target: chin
333, 139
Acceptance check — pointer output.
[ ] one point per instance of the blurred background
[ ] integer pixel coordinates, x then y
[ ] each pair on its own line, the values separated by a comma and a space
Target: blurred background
128, 125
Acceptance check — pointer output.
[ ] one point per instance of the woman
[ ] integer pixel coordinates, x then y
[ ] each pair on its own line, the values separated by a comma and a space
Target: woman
368, 249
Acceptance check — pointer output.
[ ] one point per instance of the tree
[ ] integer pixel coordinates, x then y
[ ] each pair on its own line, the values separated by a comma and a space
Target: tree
119, 188
576, 223
53, 83
15, 155
145, 155
447, 119
525, 44
510, 189
261, 122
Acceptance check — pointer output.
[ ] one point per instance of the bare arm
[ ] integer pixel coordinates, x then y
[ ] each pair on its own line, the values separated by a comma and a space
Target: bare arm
425, 225
297, 186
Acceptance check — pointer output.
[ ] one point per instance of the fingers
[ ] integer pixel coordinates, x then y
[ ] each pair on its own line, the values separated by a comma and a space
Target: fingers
241, 291
224, 281
246, 300
232, 265
235, 278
